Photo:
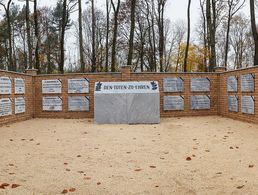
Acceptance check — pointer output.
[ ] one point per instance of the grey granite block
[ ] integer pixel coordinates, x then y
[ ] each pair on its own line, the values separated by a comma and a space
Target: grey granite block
110, 109
143, 108
247, 104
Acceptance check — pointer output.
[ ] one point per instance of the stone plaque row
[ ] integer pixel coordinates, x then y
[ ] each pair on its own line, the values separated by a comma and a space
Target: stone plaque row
6, 106
232, 103
173, 103
232, 84
6, 86
54, 86
247, 82
75, 103
200, 102
174, 84
200, 85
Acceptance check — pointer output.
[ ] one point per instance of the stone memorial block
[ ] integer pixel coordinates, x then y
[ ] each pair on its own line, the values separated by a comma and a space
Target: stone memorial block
80, 85
78, 103
5, 85
51, 86
5, 107
19, 86
52, 103
20, 105
247, 82
173, 103
127, 102
232, 84
200, 85
232, 103
200, 102
175, 84
248, 105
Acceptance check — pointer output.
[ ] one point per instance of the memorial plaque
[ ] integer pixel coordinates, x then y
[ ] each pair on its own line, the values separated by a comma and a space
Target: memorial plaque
78, 85
174, 103
52, 103
200, 102
78, 103
51, 86
5, 85
200, 85
232, 84
5, 107
175, 84
247, 82
127, 102
19, 86
232, 103
247, 104
19, 105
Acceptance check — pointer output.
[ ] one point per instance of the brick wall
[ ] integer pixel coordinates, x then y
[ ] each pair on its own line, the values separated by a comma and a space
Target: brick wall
218, 93
223, 95
29, 98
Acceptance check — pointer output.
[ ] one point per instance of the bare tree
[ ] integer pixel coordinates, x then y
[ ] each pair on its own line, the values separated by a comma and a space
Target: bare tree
80, 36
116, 9
188, 35
131, 40
254, 31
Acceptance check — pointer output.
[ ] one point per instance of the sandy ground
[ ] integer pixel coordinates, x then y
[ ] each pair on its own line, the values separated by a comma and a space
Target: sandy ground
200, 155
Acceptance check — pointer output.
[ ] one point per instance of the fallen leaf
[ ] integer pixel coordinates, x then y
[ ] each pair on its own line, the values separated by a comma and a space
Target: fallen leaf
219, 173
31, 140
80, 171
65, 191
15, 185
98, 183
231, 148
11, 140
137, 169
251, 166
72, 190
3, 185
79, 156
153, 167
207, 150
11, 173
156, 186
65, 163
128, 152
38, 144
11, 165
240, 187
193, 155
87, 178
188, 158
68, 169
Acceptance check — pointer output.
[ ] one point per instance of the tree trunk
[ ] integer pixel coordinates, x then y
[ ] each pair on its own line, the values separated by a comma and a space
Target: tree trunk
11, 66
254, 31
131, 40
188, 35
80, 36
63, 25
37, 63
113, 57
107, 36
28, 32
161, 7
93, 66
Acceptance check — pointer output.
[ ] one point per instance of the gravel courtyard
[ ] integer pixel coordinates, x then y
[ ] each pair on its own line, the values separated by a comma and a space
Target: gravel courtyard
198, 155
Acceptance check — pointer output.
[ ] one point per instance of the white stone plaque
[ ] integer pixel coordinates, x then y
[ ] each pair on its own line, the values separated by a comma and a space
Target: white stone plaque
51, 86
80, 85
52, 103
19, 86
232, 103
78, 103
232, 84
247, 82
200, 84
20, 105
247, 104
5, 107
175, 84
126, 87
5, 85
200, 102
174, 103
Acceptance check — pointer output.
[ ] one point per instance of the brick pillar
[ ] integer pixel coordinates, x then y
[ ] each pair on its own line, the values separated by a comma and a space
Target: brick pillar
126, 73
32, 72
220, 69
